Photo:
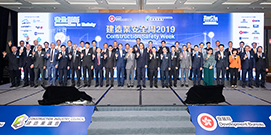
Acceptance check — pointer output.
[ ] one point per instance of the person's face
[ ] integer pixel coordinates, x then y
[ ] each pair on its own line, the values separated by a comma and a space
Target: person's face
115, 44
28, 47
150, 43
141, 46
184, 48
35, 42
260, 49
98, 50
234, 52
210, 52
177, 44
94, 44
254, 45
14, 49
173, 49
201, 45
127, 47
63, 49
189, 45
82, 44
241, 45
120, 47
208, 45
221, 48
247, 49
69, 44
217, 43
163, 44
138, 41
164, 50
105, 46
131, 50
230, 44
46, 45
21, 44
110, 48
74, 47
87, 46
196, 48
39, 48
153, 49
58, 42
53, 45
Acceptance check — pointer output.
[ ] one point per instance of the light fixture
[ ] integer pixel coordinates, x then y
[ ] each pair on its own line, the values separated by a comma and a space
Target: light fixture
236, 3
10, 3
265, 3
45, 3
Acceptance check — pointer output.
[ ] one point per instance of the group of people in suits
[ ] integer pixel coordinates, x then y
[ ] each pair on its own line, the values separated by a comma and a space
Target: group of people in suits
63, 62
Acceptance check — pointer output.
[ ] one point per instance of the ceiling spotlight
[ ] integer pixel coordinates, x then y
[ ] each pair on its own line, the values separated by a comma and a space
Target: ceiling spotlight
253, 8
123, 7
262, 7
158, 7
228, 8
193, 7
19, 7
54, 7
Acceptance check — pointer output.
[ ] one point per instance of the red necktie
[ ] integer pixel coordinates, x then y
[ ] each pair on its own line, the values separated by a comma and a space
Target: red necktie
98, 60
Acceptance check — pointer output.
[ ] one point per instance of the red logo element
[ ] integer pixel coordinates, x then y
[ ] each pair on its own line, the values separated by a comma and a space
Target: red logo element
207, 122
253, 20
111, 18
240, 32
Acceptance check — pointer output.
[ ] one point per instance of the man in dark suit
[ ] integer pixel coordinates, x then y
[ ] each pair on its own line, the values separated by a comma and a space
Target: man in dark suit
197, 64
87, 64
254, 48
14, 65
35, 42
52, 64
154, 66
68, 51
222, 64
160, 49
174, 57
120, 61
165, 67
208, 46
228, 52
63, 65
190, 50
27, 64
105, 48
247, 64
115, 47
93, 48
75, 66
99, 63
261, 65
110, 65
241, 50
179, 51
142, 63
136, 46
39, 65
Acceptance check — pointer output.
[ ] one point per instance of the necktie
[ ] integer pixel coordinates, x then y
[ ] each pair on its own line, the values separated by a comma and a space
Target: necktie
109, 54
185, 55
248, 56
27, 53
74, 56
98, 59
63, 54
254, 50
154, 55
52, 55
197, 54
39, 54
150, 50
141, 51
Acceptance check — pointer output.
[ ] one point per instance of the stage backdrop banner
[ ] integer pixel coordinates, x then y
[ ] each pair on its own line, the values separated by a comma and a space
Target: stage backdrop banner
231, 120
45, 120
126, 27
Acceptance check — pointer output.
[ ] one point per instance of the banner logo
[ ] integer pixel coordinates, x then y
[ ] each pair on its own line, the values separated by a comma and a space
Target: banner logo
19, 121
255, 26
210, 20
157, 18
111, 18
207, 122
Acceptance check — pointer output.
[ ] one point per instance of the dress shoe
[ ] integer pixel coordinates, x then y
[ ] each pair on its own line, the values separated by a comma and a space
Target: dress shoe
12, 86
35, 86
101, 85
85, 85
138, 86
25, 85
96, 85
163, 86
106, 85
156, 86
144, 86
250, 86
150, 86
73, 85
263, 86
235, 86
112, 85
186, 86
257, 86
243, 86
78, 85
166, 86
128, 86
119, 85
175, 85
182, 85
131, 85
89, 85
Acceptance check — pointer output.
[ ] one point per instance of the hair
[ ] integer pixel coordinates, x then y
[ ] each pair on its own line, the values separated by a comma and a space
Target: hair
82, 42
87, 43
209, 49
208, 43
163, 41
141, 44
154, 47
221, 45
110, 46
58, 40
201, 43
247, 46
105, 44
253, 43
234, 50
46, 42
196, 46
120, 44
172, 46
259, 47
21, 41
176, 42
138, 39
127, 44
217, 41
69, 41
188, 43
229, 42
62, 46
184, 46
242, 42
115, 41
93, 41
150, 42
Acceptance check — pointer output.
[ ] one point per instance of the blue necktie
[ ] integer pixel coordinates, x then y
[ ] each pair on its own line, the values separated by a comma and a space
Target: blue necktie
248, 55
197, 54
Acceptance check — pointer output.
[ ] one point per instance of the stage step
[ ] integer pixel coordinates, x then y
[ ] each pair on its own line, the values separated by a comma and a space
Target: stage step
148, 120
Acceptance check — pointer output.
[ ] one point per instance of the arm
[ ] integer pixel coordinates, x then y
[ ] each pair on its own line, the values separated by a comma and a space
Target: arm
114, 60
201, 61
239, 63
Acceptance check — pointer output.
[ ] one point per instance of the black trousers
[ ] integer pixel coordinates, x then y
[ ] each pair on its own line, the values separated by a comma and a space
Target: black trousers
228, 74
140, 75
63, 72
164, 77
153, 73
15, 76
77, 71
85, 69
258, 73
28, 70
107, 70
173, 72
234, 73
99, 71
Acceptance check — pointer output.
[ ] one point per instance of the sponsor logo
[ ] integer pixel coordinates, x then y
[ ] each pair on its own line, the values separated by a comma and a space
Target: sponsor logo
243, 38
227, 121
38, 33
255, 20
210, 20
242, 32
26, 30
111, 18
19, 121
255, 26
38, 39
207, 122
256, 38
39, 27
255, 32
2, 124
157, 18
25, 21
25, 121
25, 26
245, 27
25, 34
244, 21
